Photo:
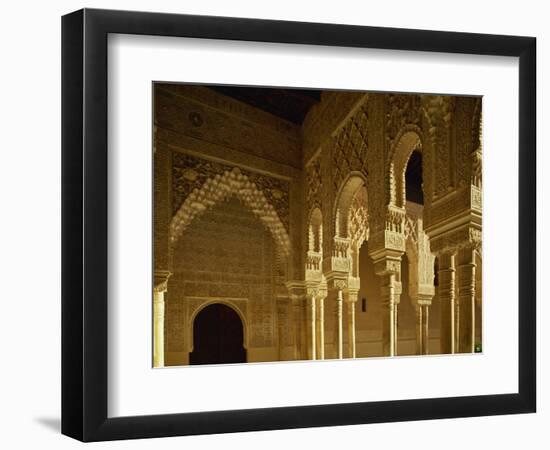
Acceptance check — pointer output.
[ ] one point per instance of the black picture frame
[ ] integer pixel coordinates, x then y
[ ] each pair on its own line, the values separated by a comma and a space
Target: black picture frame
84, 224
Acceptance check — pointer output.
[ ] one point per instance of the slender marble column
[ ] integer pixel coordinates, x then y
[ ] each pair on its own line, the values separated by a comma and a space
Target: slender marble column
297, 318
351, 329
340, 328
447, 298
312, 325
160, 287
422, 328
419, 329
466, 269
426, 334
389, 320
457, 320
395, 327
158, 328
321, 329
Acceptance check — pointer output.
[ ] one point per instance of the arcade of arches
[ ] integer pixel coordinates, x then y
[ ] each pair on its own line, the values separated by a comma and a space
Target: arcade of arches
294, 224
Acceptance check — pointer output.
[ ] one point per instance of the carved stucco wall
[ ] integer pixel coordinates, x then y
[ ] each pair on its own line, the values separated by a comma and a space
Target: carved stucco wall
225, 255
200, 114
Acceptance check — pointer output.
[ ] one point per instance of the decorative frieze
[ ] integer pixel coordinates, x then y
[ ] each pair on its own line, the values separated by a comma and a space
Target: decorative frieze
454, 240
458, 202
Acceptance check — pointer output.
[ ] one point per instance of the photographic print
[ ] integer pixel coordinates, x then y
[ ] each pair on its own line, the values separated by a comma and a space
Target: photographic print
258, 224
303, 224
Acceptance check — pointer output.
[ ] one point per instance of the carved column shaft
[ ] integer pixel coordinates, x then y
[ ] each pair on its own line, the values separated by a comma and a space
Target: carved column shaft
422, 327
339, 324
447, 299
426, 330
351, 330
389, 321
160, 287
457, 321
158, 328
321, 328
351, 301
396, 325
419, 330
312, 303
297, 328
466, 271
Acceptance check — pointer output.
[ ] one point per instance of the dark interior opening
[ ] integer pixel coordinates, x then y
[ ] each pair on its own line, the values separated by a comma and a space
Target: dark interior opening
413, 179
217, 336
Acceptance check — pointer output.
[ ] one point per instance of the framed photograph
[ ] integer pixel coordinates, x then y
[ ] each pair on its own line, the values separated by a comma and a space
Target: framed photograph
273, 224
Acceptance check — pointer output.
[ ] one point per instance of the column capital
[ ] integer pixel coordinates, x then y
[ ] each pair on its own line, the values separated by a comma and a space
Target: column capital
161, 280
388, 265
352, 291
466, 236
337, 284
386, 241
422, 299
317, 290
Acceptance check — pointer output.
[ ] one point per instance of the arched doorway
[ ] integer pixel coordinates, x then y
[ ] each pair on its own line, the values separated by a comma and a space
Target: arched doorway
217, 336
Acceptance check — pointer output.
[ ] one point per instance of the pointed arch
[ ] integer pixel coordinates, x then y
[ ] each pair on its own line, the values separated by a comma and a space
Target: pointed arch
344, 200
218, 188
351, 216
408, 141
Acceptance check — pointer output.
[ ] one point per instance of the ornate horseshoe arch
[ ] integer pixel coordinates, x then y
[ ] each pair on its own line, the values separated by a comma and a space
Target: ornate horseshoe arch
216, 189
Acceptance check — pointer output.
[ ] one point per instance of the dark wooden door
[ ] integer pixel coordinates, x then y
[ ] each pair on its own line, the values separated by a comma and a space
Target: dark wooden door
217, 336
